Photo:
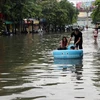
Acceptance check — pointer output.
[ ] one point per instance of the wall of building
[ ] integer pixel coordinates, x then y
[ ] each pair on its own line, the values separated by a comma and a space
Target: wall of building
83, 19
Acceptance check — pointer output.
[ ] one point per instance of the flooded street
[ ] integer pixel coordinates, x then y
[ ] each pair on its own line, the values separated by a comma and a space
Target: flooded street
28, 70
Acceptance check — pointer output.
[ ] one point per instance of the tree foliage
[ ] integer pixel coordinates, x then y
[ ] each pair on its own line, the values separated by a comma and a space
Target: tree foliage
60, 13
96, 12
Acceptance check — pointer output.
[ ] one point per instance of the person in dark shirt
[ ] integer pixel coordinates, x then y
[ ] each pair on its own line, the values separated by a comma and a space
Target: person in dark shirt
78, 39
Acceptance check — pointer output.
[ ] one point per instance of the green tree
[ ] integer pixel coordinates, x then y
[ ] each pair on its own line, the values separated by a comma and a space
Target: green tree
96, 12
71, 11
55, 13
17, 10
59, 13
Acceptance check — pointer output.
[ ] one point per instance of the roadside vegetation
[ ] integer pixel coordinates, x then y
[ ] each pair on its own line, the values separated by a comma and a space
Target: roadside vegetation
55, 14
96, 12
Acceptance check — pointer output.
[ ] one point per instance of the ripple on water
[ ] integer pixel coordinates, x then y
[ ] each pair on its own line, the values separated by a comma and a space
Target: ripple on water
29, 71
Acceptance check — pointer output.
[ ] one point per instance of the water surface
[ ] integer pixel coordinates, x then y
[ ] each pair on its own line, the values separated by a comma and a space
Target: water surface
28, 70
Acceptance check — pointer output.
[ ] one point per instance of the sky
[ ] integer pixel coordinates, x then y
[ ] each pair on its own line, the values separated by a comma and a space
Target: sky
76, 1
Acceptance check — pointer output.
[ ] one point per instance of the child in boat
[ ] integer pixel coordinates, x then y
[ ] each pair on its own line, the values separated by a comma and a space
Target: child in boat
63, 44
72, 47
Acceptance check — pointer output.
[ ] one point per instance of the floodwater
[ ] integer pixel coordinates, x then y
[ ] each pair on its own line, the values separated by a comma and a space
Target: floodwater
28, 70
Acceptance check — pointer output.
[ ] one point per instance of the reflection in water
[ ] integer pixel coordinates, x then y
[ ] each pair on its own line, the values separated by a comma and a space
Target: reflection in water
68, 61
74, 65
96, 63
96, 47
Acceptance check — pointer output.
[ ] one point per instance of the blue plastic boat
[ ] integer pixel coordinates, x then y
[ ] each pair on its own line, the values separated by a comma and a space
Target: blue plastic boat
68, 53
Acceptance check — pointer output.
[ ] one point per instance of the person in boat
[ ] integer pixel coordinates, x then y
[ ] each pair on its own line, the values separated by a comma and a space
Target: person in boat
72, 48
78, 39
63, 44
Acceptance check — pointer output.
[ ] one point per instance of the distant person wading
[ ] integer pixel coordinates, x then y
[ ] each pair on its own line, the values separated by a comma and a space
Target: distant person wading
95, 33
